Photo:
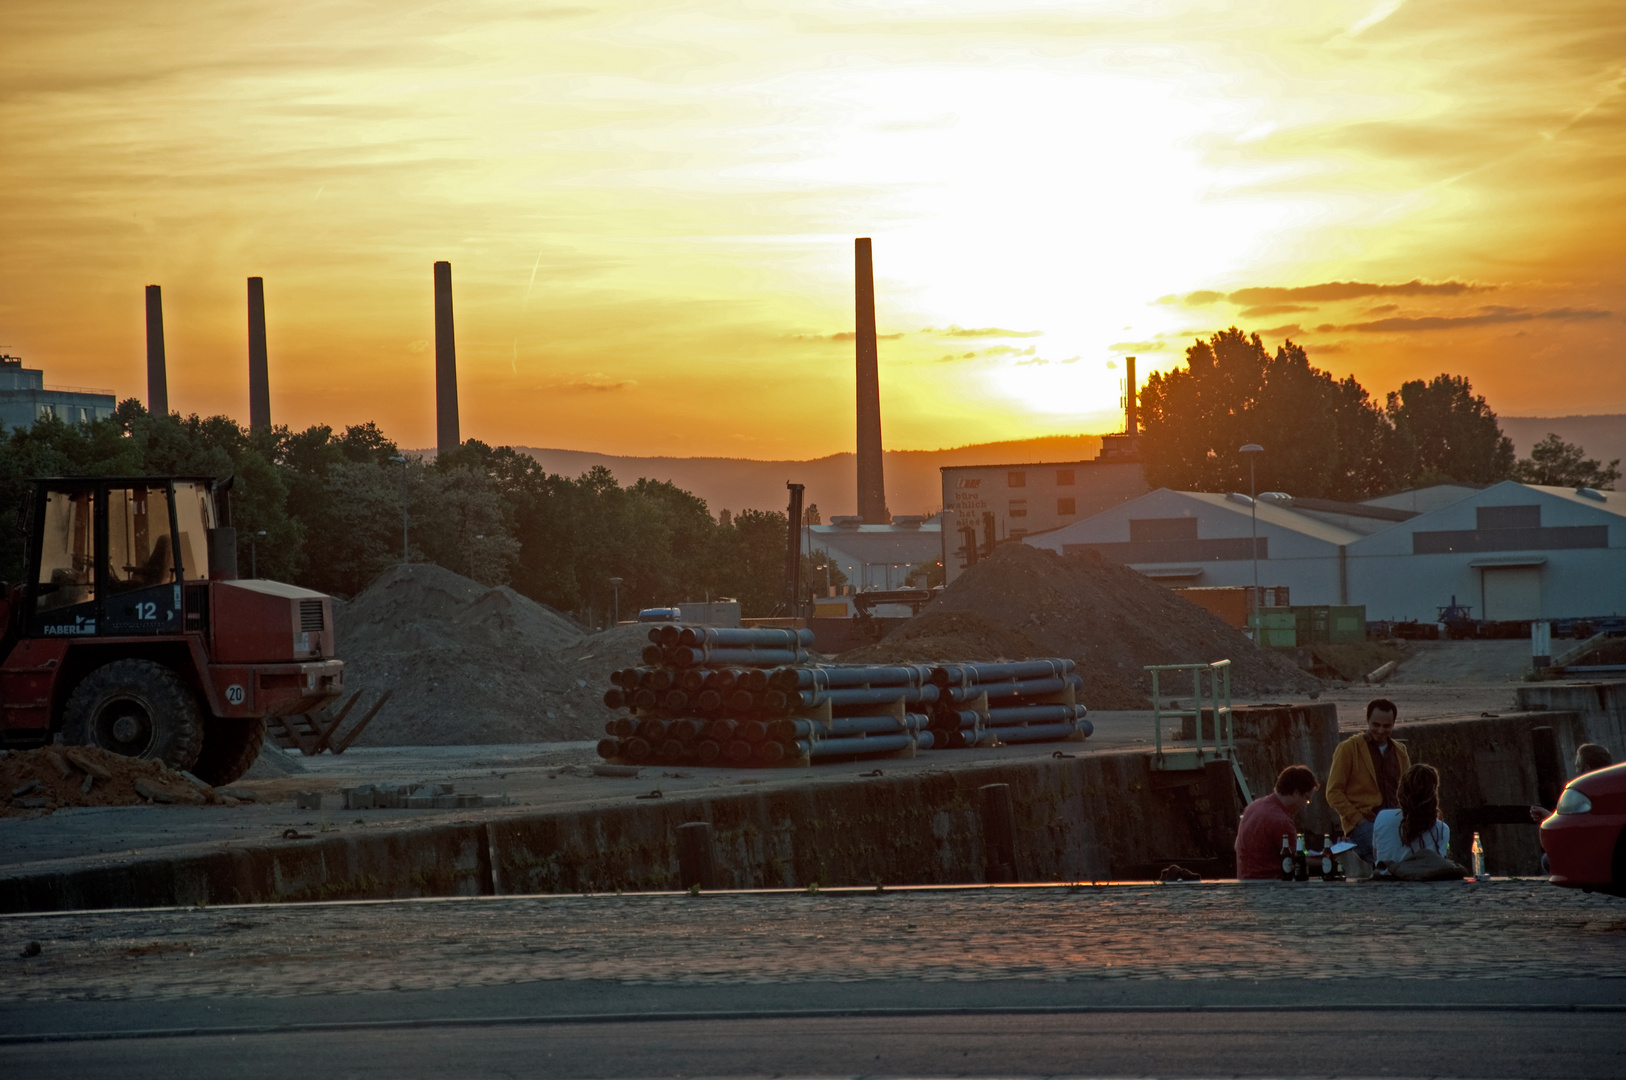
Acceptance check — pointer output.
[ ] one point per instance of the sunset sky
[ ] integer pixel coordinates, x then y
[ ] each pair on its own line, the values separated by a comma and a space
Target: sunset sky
649, 207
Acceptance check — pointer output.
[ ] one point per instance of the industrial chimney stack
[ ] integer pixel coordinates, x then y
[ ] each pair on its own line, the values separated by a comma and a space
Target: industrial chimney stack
1131, 410
259, 370
446, 431
157, 384
871, 485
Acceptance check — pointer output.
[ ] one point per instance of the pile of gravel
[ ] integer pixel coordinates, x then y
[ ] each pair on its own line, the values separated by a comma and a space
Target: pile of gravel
1112, 621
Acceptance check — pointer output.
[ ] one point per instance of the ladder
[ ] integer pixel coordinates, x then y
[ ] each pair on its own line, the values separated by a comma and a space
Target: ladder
1210, 688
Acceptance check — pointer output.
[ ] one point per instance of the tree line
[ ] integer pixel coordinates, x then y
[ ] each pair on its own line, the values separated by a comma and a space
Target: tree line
322, 509
1328, 438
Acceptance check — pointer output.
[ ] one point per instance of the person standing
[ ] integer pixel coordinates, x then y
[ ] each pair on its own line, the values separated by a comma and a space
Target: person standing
1269, 818
1365, 775
1415, 824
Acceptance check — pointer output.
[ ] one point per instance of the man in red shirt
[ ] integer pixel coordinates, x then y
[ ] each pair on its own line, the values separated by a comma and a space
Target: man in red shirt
1267, 819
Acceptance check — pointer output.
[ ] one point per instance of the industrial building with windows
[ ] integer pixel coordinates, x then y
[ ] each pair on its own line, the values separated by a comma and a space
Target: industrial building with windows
25, 399
1509, 552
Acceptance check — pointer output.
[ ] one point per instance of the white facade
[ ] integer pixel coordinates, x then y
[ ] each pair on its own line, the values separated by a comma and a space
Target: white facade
873, 556
1509, 552
1197, 538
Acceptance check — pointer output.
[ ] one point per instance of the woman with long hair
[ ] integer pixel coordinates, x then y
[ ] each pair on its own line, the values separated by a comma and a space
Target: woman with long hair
1416, 825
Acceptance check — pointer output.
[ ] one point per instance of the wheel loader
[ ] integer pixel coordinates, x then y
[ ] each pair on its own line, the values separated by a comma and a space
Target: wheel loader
131, 631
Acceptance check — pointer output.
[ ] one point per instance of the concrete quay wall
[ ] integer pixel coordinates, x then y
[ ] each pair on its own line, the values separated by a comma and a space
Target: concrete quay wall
1096, 817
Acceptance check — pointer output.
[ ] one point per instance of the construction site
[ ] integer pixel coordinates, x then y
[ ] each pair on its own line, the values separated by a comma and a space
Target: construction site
1057, 713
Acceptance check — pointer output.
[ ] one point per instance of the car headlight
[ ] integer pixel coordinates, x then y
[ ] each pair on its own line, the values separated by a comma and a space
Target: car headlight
1573, 802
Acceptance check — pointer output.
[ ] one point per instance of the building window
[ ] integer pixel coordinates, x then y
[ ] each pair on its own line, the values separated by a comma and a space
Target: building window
1064, 478
1064, 507
1018, 508
44, 411
1016, 478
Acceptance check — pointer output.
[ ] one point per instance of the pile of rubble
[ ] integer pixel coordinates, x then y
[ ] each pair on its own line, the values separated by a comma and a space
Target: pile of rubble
52, 777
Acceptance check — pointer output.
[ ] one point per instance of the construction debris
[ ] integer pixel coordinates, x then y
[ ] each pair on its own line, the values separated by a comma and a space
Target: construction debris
35, 781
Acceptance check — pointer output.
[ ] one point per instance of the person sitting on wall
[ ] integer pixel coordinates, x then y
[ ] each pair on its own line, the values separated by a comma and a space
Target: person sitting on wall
1415, 824
1269, 818
1365, 773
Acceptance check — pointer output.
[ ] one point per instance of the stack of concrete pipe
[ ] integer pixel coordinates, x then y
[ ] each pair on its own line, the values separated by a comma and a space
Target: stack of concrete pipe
750, 697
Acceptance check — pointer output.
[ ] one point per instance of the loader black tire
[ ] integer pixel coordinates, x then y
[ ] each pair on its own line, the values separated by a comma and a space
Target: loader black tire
230, 748
137, 708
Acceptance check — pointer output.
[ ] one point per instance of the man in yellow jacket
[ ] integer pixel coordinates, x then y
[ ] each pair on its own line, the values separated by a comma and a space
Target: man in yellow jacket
1365, 774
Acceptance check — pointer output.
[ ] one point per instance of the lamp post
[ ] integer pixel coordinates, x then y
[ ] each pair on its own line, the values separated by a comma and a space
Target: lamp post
405, 550
1253, 513
253, 559
615, 588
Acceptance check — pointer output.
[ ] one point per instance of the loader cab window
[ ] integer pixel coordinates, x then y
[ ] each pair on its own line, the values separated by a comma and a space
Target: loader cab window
66, 577
139, 551
194, 517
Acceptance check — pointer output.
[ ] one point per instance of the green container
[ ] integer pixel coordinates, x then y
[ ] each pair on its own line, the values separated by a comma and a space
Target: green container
1347, 624
1276, 628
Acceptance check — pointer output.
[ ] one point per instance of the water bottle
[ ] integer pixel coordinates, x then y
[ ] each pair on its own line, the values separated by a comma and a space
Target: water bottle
1479, 859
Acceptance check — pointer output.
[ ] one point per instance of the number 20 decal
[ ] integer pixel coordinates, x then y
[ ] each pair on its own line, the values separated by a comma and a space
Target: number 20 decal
234, 694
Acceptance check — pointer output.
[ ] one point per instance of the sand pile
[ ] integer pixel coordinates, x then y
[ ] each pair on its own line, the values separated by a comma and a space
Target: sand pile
52, 777
1111, 620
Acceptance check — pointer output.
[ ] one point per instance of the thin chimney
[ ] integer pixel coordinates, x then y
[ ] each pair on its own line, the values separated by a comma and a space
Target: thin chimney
871, 484
259, 369
157, 384
446, 430
1131, 411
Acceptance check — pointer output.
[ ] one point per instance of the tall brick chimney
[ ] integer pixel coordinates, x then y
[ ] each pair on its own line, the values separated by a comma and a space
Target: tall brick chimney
157, 384
1131, 408
259, 368
446, 430
871, 485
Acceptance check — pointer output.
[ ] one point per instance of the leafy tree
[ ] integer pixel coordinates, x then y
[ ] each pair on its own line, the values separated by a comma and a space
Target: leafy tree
1323, 438
1444, 432
1556, 463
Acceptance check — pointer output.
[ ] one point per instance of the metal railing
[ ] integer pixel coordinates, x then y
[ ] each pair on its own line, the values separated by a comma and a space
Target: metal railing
1216, 696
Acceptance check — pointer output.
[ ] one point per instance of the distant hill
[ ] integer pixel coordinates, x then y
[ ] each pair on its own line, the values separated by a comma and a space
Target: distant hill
913, 485
1603, 437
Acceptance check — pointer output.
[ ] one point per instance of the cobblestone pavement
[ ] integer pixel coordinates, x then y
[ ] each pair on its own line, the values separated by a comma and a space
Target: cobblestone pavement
1500, 930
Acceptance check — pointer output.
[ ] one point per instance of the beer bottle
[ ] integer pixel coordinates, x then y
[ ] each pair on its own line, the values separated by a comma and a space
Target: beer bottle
1301, 861
1479, 859
1329, 864
1287, 858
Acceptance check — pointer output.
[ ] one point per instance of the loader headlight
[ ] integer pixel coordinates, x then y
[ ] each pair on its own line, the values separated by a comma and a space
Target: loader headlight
1573, 802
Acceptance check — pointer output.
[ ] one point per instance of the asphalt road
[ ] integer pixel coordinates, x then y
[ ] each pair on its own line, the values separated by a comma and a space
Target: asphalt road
1254, 1043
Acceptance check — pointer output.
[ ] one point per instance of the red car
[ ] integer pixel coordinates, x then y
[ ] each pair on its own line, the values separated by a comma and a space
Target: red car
1585, 838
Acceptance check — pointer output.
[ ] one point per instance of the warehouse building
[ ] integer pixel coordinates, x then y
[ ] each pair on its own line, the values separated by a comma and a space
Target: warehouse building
1508, 552
24, 398
873, 556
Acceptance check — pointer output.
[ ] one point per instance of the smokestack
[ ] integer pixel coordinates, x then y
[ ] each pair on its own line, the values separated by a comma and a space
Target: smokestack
871, 485
157, 384
259, 369
446, 434
1131, 412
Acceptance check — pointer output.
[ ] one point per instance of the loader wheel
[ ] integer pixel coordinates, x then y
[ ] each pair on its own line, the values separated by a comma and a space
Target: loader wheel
230, 748
137, 708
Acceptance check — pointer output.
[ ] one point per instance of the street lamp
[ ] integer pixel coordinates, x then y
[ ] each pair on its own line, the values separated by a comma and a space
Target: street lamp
253, 561
615, 586
405, 551
1253, 513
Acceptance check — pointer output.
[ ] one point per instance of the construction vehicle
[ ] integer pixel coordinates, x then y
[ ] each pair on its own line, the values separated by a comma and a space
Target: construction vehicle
132, 633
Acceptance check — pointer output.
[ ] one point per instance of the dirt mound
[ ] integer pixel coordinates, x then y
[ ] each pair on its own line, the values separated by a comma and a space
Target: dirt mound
1113, 621
52, 777
467, 664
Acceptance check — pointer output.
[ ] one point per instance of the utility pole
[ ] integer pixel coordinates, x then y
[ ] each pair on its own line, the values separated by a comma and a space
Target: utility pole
1253, 513
406, 555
